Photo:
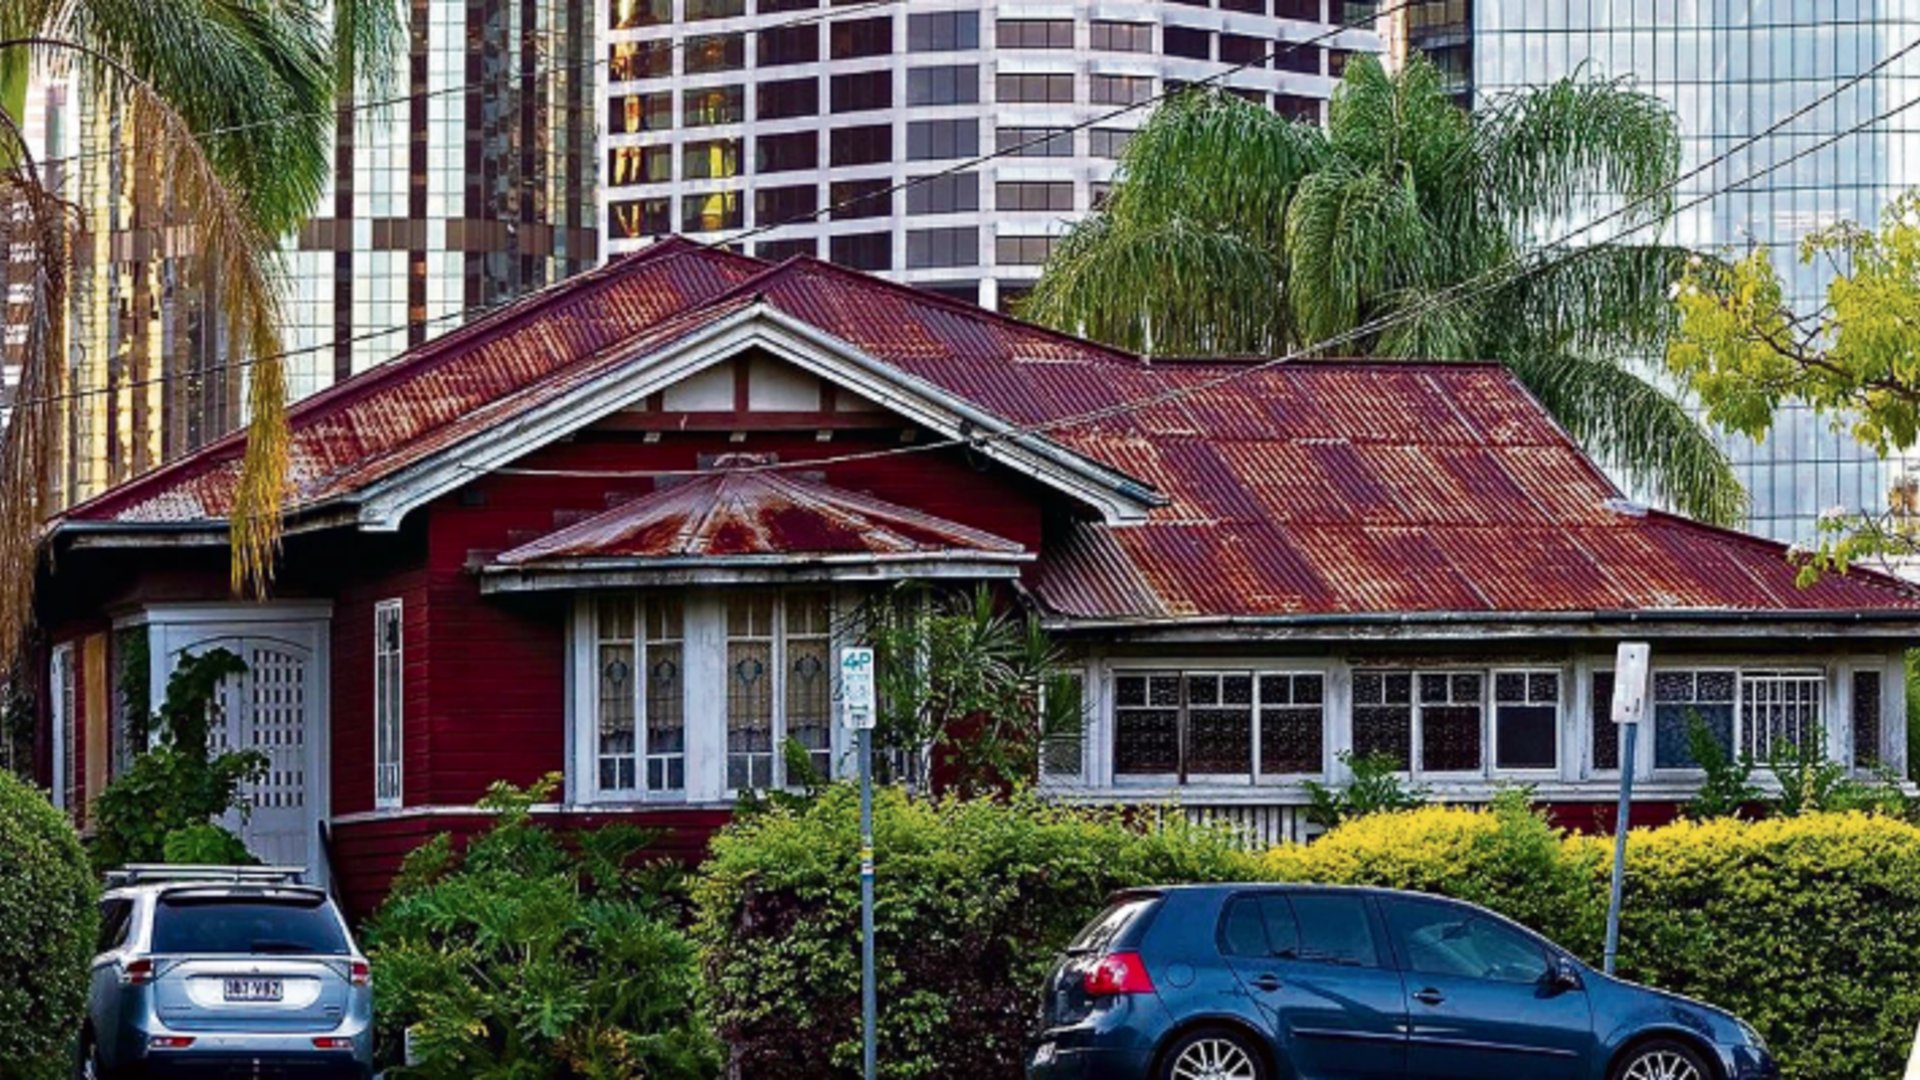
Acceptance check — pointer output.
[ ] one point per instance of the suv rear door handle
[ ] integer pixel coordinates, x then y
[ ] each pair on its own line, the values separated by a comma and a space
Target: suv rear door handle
1266, 981
1429, 997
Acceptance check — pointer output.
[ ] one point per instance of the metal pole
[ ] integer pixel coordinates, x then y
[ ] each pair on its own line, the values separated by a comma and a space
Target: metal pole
1630, 733
868, 1007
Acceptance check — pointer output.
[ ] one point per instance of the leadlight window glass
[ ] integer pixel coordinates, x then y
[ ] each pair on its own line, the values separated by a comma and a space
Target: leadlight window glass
1450, 721
1063, 734
1680, 696
1383, 715
1219, 724
641, 695
1526, 720
1866, 719
779, 683
1606, 733
1779, 713
1146, 724
388, 669
1292, 724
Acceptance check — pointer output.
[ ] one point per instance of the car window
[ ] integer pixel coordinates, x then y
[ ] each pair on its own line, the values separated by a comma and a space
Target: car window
1439, 939
229, 926
1335, 929
1261, 925
116, 918
1098, 934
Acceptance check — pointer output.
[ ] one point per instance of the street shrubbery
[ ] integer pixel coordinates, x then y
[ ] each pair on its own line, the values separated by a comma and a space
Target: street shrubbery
48, 911
973, 900
1807, 927
531, 958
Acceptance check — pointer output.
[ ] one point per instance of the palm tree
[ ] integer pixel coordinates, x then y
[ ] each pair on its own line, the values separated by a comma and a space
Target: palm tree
1233, 231
231, 106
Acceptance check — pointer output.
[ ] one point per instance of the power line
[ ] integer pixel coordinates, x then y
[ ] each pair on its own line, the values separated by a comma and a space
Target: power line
737, 238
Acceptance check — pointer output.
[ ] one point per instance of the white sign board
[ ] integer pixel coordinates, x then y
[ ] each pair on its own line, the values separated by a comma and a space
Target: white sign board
1630, 683
856, 687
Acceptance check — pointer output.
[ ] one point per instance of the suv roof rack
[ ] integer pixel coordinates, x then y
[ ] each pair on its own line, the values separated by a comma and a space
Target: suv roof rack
151, 873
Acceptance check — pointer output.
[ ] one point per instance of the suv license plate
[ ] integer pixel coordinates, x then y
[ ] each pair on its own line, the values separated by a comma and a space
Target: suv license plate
254, 989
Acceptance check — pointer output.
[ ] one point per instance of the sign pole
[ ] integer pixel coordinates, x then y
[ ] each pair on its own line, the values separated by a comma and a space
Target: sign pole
857, 705
1629, 705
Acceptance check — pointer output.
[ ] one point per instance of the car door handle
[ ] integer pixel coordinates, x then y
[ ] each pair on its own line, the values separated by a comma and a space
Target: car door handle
1268, 982
1429, 997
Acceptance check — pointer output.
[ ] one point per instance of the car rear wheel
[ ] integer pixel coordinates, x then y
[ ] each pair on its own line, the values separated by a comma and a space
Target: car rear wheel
1663, 1059
1213, 1054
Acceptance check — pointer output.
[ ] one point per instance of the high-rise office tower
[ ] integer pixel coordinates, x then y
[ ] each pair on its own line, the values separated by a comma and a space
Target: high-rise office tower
476, 185
1730, 69
722, 116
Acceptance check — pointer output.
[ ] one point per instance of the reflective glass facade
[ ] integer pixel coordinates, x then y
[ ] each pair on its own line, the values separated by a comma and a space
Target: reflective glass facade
1731, 70
725, 117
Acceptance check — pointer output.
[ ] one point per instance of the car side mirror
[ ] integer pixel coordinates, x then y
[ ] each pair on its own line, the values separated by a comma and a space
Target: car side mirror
1563, 975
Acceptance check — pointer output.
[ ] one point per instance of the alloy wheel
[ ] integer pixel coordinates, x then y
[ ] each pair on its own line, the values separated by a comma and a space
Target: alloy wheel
1662, 1065
1217, 1059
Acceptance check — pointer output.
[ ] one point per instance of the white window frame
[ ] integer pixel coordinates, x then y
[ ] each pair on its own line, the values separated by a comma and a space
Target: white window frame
1822, 686
1492, 710
1853, 672
1103, 735
61, 677
389, 705
1420, 724
641, 664
777, 671
1650, 763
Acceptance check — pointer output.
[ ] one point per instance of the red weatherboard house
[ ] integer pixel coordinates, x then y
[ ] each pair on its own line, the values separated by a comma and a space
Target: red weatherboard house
606, 531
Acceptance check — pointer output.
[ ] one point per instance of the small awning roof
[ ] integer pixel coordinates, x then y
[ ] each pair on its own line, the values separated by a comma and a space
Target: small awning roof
748, 521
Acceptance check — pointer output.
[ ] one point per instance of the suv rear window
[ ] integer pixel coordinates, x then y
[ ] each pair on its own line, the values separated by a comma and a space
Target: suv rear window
1109, 924
247, 925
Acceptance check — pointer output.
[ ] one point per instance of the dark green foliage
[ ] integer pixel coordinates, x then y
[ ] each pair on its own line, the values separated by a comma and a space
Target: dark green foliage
1376, 787
1729, 788
974, 898
48, 914
205, 844
532, 959
175, 786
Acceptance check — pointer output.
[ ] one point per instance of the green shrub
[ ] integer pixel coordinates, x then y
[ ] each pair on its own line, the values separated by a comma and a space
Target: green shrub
48, 912
974, 899
1376, 788
533, 959
1506, 858
176, 787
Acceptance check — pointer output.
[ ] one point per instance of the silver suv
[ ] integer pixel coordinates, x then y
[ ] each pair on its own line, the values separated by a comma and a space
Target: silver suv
225, 971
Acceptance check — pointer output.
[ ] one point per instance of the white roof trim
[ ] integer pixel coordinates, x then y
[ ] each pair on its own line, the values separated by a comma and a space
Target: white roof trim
1118, 497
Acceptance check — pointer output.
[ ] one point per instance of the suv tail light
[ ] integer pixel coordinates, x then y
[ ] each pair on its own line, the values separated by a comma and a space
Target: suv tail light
359, 974
170, 1042
1118, 973
136, 973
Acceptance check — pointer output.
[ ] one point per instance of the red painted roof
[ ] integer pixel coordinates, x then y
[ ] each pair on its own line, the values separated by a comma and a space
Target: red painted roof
754, 514
1324, 489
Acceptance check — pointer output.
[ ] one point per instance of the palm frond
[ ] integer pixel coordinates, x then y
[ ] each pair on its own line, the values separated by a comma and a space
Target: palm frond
1353, 235
1606, 299
1550, 154
369, 39
1171, 288
1634, 426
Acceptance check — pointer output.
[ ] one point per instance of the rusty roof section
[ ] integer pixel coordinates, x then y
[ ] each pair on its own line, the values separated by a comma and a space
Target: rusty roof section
734, 514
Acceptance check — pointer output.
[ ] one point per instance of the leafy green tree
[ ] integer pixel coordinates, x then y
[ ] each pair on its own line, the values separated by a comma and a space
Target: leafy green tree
1233, 231
230, 109
48, 911
1376, 788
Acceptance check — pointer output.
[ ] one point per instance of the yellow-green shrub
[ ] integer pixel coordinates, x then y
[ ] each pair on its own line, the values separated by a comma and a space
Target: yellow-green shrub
1808, 927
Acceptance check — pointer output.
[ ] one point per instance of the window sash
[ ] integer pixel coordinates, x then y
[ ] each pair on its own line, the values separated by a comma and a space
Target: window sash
788, 703
388, 674
1202, 703
1539, 689
639, 666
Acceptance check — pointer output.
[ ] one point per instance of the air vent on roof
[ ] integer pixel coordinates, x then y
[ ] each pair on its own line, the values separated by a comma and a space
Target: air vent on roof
1626, 507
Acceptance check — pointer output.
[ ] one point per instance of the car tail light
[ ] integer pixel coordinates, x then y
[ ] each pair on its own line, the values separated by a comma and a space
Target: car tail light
332, 1042
170, 1042
359, 974
1119, 973
137, 973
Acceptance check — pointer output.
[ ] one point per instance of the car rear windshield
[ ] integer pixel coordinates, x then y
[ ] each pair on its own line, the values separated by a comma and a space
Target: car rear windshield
247, 926
1110, 924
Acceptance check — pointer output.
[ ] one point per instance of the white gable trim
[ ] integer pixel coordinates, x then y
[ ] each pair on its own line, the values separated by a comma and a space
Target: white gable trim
1119, 498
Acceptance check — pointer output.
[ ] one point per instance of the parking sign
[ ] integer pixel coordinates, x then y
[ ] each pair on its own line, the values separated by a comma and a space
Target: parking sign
856, 687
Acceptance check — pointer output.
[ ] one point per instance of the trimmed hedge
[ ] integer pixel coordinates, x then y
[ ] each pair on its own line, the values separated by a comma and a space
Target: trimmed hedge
973, 901
49, 907
1807, 927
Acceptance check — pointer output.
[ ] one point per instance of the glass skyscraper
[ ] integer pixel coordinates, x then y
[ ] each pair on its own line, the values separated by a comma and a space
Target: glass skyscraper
1730, 69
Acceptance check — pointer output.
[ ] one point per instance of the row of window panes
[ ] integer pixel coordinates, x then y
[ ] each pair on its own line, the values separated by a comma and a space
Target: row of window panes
719, 159
708, 53
629, 14
1242, 724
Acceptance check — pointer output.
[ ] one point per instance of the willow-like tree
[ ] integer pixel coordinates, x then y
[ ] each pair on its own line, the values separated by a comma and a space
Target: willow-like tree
226, 111
1230, 230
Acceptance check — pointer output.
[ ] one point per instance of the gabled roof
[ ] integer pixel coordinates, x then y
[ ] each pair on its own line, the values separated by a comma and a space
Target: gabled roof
742, 516
1326, 490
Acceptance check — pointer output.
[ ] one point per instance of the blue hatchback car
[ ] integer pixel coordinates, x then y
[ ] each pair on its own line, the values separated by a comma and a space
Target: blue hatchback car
1260, 982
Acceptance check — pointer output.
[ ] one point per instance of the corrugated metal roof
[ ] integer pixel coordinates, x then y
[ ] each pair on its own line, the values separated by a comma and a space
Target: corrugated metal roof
1323, 488
735, 514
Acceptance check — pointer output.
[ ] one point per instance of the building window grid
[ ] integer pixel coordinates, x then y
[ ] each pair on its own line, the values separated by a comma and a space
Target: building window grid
389, 668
